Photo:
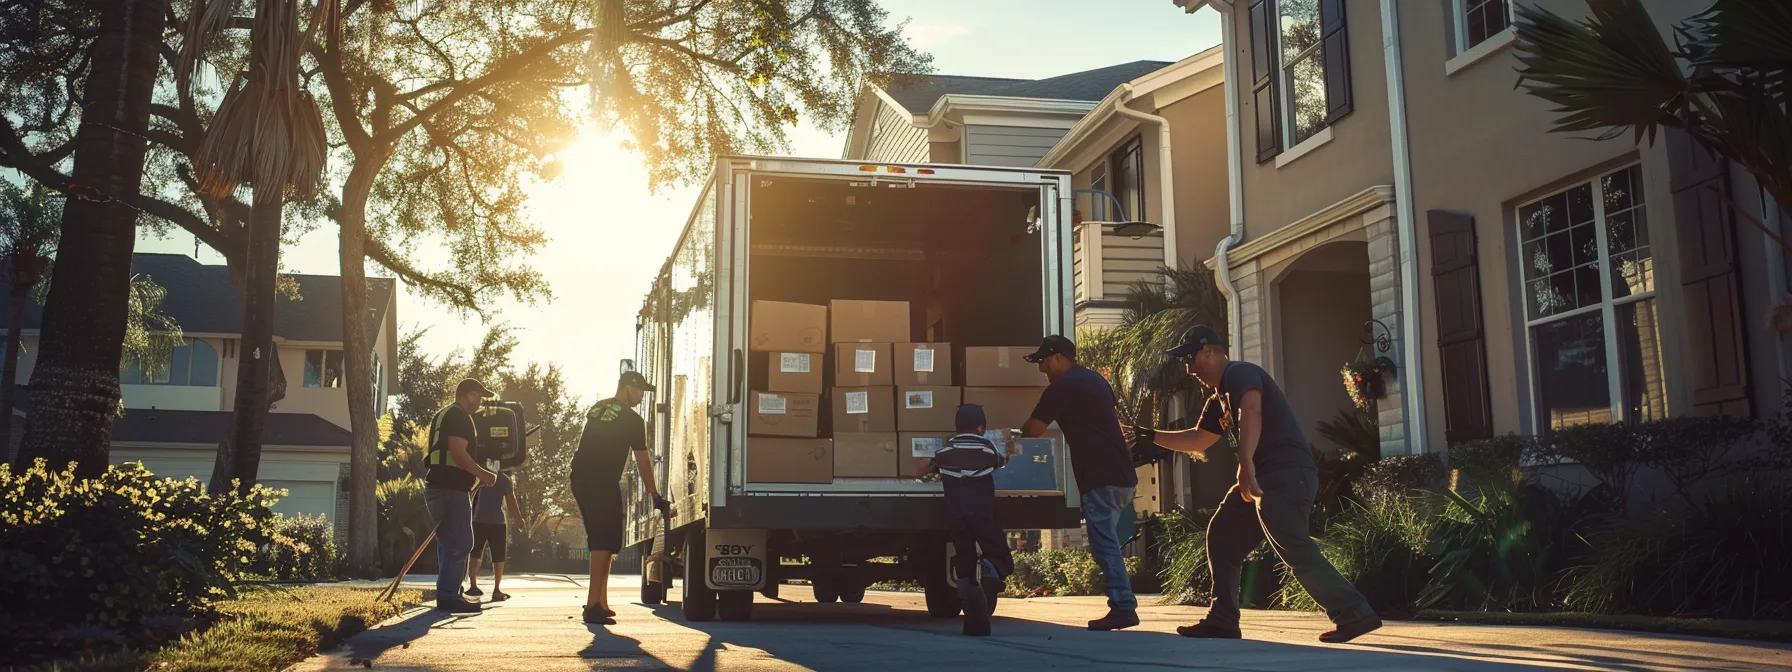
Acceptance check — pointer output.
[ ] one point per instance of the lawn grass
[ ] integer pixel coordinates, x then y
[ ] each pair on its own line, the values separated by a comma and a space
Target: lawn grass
265, 628
1767, 631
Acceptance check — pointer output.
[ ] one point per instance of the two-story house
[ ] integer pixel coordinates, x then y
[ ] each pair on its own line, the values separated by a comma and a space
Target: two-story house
177, 410
1387, 173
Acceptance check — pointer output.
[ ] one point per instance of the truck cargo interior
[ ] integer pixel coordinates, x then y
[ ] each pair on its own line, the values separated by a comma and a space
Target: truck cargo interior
963, 257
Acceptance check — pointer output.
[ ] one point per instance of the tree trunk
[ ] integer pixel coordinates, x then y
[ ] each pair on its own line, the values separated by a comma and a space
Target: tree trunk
241, 459
15, 322
74, 386
357, 363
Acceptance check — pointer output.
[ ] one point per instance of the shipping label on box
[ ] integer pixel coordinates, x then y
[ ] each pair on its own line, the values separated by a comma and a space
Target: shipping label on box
862, 365
788, 460
927, 409
868, 321
788, 327
1002, 367
918, 447
784, 414
787, 372
864, 409
923, 363
866, 455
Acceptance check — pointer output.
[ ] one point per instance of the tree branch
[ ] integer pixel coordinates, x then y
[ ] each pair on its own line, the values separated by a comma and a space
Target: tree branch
457, 295
675, 19
503, 71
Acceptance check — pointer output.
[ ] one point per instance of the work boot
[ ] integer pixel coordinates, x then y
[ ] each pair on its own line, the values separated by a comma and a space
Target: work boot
1352, 630
1209, 630
457, 606
976, 608
1117, 619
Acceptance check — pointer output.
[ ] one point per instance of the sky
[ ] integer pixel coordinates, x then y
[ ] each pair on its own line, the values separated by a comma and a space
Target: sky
609, 234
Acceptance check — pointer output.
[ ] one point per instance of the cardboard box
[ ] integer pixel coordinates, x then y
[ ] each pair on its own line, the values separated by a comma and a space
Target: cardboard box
913, 447
784, 414
868, 322
866, 455
1005, 407
862, 365
781, 460
922, 363
1002, 367
788, 327
921, 408
799, 372
864, 409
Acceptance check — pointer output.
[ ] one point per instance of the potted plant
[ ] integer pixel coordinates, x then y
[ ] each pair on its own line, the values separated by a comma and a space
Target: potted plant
1366, 381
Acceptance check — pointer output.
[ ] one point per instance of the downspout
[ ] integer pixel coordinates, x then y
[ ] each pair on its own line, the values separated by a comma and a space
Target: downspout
1406, 225
1165, 176
1234, 176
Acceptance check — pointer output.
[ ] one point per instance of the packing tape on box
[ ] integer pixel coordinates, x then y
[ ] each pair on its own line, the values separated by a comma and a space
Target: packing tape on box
1001, 357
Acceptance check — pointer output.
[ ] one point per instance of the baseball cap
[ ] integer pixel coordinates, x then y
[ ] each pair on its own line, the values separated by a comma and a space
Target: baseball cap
636, 380
1053, 345
969, 418
1195, 338
470, 385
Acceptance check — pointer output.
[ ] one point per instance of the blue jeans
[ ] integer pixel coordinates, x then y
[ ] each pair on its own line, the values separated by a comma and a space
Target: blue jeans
451, 511
1101, 509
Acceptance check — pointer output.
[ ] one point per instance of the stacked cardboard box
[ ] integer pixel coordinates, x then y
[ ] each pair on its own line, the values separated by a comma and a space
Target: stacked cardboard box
863, 396
1004, 383
789, 347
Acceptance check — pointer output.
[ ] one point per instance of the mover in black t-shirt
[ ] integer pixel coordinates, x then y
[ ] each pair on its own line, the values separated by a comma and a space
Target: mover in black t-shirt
1277, 484
612, 431
1082, 404
452, 474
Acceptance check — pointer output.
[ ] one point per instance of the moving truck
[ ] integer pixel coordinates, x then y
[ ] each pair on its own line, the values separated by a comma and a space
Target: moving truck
981, 256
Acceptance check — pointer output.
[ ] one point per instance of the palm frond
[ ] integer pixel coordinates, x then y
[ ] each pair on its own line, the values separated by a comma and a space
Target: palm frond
1611, 72
268, 132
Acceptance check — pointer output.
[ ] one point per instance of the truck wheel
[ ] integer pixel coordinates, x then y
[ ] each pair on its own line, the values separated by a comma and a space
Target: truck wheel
734, 605
852, 585
942, 601
825, 592
652, 592
853, 595
699, 601
771, 590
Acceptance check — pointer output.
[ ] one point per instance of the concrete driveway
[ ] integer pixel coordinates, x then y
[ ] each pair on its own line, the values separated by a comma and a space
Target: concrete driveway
539, 630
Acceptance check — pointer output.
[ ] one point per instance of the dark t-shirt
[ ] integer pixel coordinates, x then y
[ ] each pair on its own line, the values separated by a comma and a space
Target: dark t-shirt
612, 431
488, 505
965, 464
1281, 444
1082, 404
443, 472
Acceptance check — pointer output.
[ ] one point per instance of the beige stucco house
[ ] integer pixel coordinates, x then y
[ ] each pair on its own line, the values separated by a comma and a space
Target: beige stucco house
176, 411
1386, 172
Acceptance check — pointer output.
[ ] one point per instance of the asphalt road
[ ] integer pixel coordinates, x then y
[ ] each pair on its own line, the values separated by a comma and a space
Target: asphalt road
539, 630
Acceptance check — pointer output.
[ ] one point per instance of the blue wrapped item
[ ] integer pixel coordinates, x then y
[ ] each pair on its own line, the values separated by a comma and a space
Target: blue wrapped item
1035, 468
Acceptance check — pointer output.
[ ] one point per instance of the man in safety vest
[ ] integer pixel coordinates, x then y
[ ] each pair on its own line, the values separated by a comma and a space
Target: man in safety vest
453, 473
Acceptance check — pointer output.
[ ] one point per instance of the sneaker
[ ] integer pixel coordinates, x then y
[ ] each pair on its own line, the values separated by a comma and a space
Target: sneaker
976, 608
458, 607
500, 596
599, 616
474, 591
1352, 630
1209, 630
1115, 620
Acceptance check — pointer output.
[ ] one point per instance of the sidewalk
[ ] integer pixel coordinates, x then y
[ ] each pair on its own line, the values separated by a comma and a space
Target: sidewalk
538, 630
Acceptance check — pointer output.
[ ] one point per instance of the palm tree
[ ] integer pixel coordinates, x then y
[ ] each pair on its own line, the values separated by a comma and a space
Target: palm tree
268, 134
74, 385
28, 228
1131, 355
1725, 84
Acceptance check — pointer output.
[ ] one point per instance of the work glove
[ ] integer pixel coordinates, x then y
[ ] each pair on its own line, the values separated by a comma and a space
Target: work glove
663, 504
1144, 447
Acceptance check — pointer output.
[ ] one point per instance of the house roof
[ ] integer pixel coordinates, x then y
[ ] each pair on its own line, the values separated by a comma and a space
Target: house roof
919, 93
205, 427
203, 300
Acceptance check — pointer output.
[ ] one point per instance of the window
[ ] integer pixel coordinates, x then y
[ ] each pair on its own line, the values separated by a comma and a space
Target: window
1590, 310
1098, 204
1478, 20
1129, 180
323, 368
1303, 69
379, 387
192, 363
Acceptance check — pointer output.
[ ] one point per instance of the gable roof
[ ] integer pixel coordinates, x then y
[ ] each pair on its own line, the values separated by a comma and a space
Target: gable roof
208, 427
920, 93
202, 299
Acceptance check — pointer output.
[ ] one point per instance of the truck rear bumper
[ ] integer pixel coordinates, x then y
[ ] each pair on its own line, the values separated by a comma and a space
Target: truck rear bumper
825, 513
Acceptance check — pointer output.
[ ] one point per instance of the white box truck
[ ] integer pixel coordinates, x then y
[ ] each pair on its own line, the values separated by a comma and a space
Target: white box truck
982, 255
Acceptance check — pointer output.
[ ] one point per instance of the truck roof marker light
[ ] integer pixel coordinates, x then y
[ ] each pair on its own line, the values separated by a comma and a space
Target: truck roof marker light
924, 171
867, 169
897, 169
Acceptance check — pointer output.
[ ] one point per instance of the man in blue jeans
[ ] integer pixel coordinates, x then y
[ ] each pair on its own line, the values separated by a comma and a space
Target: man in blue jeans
452, 476
1082, 403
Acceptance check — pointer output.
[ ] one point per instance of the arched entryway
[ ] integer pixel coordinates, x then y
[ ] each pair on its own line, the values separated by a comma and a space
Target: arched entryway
1322, 302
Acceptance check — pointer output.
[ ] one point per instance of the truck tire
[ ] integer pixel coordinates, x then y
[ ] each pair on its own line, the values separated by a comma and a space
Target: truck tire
852, 585
734, 605
825, 592
771, 589
853, 595
943, 601
699, 601
652, 592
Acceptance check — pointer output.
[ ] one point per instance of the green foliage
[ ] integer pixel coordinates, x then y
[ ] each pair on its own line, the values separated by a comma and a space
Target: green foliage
404, 521
1400, 475
1379, 547
1500, 551
1060, 571
1185, 576
299, 548
1131, 356
118, 548
1358, 435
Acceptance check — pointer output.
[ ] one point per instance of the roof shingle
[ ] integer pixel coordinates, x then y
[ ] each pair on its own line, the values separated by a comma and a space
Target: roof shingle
919, 93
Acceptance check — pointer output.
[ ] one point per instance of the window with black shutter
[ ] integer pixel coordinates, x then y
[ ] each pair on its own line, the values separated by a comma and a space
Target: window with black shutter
1714, 326
1461, 340
1300, 70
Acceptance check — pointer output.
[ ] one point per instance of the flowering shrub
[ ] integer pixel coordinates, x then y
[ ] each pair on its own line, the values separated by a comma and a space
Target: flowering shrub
299, 548
118, 548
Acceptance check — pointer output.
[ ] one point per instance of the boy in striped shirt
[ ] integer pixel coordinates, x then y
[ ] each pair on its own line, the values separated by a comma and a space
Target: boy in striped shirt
966, 464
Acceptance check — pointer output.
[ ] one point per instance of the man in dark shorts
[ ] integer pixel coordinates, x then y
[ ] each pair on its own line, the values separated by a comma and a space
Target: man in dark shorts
489, 530
452, 476
1277, 485
1082, 403
613, 430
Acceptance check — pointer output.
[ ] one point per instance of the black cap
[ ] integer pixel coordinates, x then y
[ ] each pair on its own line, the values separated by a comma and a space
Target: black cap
636, 380
1197, 337
468, 385
1053, 345
969, 418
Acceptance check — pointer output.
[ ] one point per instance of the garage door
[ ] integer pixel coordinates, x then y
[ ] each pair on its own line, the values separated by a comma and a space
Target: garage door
313, 498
